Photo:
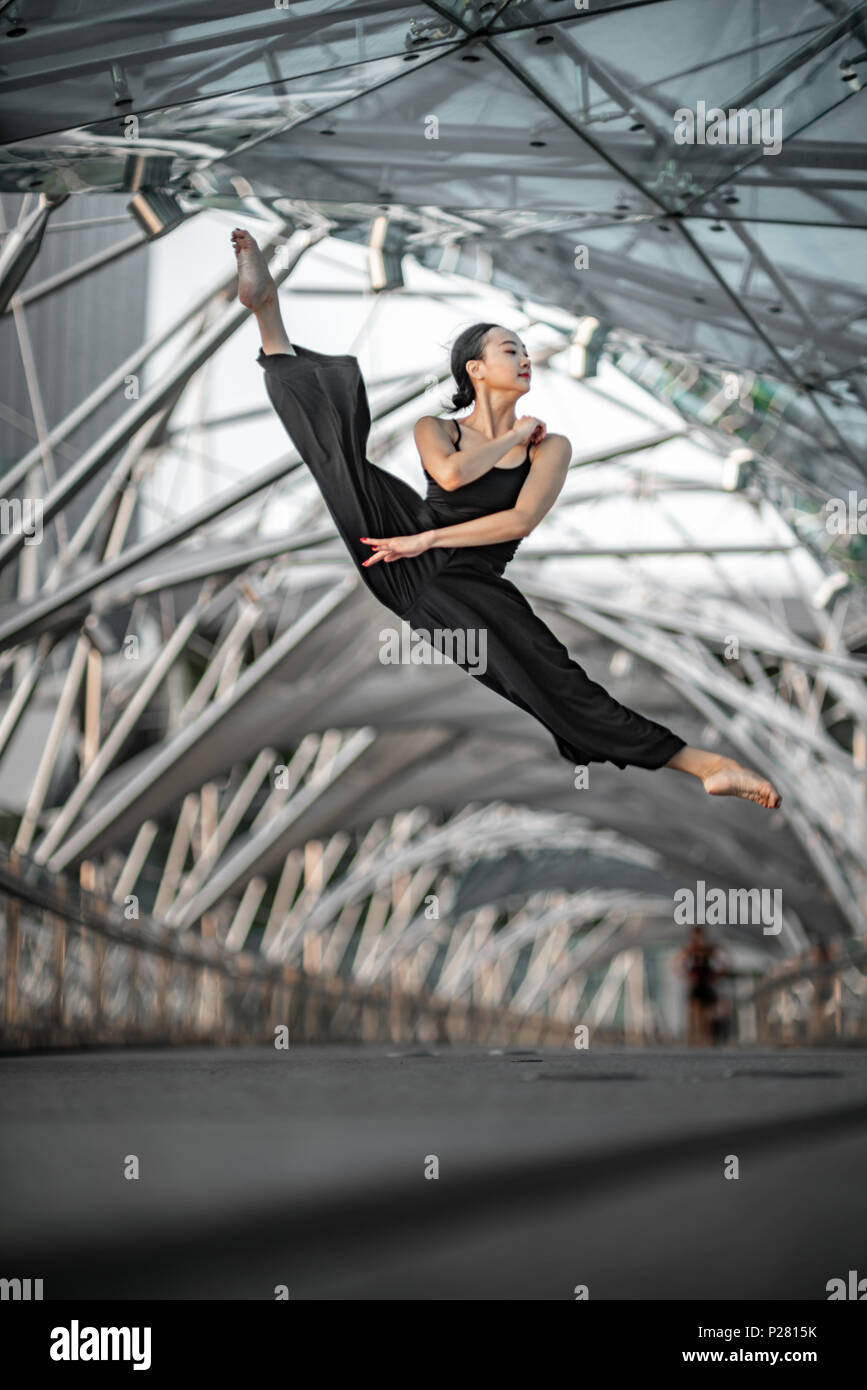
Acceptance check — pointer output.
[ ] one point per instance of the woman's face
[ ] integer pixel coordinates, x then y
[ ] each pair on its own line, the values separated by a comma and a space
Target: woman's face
504, 364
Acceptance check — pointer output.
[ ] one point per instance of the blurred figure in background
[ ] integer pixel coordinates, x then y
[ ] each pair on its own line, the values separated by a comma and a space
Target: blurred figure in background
698, 962
722, 1015
823, 993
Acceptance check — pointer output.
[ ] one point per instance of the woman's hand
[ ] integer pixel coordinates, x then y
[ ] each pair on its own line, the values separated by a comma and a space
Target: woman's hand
528, 429
397, 547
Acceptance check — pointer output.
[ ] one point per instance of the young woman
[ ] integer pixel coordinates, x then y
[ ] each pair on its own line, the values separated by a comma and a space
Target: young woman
491, 478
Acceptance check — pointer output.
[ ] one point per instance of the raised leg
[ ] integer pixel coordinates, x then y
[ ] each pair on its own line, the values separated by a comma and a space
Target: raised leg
724, 777
258, 293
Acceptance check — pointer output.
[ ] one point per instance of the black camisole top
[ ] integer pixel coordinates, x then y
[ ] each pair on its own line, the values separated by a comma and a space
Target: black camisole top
495, 491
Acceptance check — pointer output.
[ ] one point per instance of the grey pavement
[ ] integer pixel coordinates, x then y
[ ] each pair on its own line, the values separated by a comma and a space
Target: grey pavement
557, 1168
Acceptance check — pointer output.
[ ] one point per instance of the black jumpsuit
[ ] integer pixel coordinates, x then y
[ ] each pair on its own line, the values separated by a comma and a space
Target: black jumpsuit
322, 401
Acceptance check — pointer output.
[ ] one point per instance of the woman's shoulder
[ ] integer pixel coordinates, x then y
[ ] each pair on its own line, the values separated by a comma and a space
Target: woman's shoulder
554, 446
549, 438
437, 427
439, 421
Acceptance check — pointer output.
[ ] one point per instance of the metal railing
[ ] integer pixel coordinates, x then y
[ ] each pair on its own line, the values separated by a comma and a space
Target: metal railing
810, 1000
74, 971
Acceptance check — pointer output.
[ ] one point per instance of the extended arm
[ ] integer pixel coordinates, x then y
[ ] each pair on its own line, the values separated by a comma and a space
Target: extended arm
537, 496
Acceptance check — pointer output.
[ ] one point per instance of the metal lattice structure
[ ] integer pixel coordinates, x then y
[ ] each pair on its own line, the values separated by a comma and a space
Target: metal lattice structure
194, 708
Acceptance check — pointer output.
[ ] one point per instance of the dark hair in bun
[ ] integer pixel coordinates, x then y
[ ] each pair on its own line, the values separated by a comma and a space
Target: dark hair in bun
467, 346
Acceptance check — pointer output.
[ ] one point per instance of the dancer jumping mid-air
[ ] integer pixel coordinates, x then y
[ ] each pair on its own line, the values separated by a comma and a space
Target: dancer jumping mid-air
491, 478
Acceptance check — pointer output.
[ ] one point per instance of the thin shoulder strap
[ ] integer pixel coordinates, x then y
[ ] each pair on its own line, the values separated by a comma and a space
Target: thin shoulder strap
458, 440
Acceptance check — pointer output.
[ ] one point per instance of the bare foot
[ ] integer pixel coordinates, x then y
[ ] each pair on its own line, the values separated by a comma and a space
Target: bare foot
255, 285
730, 779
